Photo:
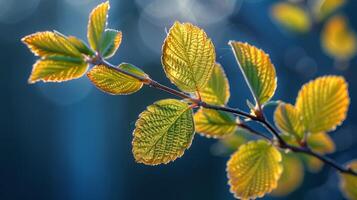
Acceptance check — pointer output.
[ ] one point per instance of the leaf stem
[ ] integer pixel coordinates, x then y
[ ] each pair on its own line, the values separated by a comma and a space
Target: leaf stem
261, 118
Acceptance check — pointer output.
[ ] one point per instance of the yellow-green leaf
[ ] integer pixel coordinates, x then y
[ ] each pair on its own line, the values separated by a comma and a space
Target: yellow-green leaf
115, 82
289, 121
110, 42
348, 183
45, 44
214, 123
57, 69
313, 164
292, 176
80, 45
97, 24
291, 17
188, 57
257, 69
163, 132
323, 8
216, 90
323, 103
233, 141
254, 170
320, 143
338, 40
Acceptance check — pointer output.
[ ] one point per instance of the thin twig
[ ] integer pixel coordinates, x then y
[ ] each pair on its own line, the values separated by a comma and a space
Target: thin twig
261, 119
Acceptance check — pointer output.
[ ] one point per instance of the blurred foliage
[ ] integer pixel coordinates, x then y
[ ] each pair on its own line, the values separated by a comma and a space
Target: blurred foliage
165, 130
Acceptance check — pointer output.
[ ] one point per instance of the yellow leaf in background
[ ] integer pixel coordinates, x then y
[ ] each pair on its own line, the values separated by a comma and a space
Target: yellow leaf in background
338, 40
323, 103
288, 119
320, 143
110, 42
257, 69
348, 183
80, 45
292, 176
57, 70
45, 44
115, 82
254, 170
323, 8
291, 17
97, 24
233, 141
313, 164
163, 132
216, 90
188, 57
214, 123
227, 145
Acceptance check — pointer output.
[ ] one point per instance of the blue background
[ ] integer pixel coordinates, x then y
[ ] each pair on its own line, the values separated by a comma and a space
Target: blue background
71, 141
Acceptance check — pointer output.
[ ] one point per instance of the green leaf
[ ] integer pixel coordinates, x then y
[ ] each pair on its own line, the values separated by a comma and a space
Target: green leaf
254, 170
214, 123
115, 82
291, 17
45, 44
163, 132
188, 57
57, 69
257, 69
110, 42
97, 24
216, 90
292, 176
80, 46
323, 103
288, 119
348, 183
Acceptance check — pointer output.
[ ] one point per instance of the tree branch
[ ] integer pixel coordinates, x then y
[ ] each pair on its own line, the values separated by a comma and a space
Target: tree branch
261, 119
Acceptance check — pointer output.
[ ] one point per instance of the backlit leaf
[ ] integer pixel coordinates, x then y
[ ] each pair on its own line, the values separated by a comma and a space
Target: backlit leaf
45, 44
292, 176
57, 69
323, 8
323, 103
163, 132
348, 183
216, 90
257, 69
288, 119
214, 123
110, 42
115, 82
97, 24
338, 40
254, 170
291, 17
188, 57
80, 46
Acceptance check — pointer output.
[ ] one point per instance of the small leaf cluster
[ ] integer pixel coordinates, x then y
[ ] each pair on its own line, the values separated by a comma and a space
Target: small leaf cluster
165, 129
